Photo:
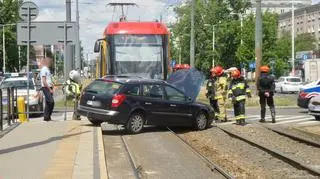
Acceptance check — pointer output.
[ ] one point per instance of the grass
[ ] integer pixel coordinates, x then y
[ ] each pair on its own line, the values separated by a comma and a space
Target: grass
60, 103
284, 100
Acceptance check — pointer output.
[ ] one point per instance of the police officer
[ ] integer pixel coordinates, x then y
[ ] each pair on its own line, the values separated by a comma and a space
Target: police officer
72, 90
238, 90
219, 88
266, 88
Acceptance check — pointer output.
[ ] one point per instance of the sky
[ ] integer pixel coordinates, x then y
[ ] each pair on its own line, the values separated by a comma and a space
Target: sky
95, 15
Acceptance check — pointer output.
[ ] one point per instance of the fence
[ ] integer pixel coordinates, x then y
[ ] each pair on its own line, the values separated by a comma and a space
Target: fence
9, 104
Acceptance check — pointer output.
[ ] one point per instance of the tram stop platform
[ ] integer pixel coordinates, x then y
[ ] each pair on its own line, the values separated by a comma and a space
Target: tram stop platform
55, 149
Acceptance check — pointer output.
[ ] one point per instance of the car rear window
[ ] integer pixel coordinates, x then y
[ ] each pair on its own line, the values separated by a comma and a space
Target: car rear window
103, 87
294, 80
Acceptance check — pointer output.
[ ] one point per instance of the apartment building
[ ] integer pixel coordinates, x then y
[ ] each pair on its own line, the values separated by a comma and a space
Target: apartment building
280, 6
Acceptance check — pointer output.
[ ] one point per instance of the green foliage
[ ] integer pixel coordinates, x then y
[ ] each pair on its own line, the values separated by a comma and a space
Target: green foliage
228, 35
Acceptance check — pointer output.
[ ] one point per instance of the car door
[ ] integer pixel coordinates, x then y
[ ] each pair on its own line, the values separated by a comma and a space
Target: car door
178, 108
152, 100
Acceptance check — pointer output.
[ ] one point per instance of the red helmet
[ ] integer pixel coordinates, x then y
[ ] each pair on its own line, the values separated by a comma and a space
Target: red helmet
264, 69
185, 66
177, 66
218, 70
235, 74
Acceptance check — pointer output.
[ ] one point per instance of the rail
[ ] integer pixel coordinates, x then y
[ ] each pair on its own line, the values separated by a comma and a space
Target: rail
292, 161
213, 166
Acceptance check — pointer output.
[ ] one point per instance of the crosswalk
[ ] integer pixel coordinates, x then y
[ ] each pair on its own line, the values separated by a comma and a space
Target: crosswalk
280, 119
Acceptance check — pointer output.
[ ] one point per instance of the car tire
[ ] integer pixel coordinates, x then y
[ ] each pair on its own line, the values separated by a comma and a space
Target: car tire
135, 123
95, 122
201, 121
317, 118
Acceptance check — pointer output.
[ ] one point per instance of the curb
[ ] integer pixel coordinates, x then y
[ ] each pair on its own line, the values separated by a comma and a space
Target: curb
307, 133
9, 129
102, 157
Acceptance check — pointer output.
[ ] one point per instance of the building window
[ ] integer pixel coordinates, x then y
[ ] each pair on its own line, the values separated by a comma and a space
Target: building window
282, 11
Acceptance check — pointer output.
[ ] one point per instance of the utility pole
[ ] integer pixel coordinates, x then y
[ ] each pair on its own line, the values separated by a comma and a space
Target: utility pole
192, 50
292, 38
78, 58
241, 25
69, 48
3, 49
19, 58
258, 39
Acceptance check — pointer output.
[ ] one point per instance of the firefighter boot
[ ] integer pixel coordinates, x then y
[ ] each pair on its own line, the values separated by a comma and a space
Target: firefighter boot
273, 114
238, 122
242, 121
263, 115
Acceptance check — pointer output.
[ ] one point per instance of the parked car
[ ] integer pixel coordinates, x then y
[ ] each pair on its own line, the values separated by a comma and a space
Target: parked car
288, 84
135, 102
20, 83
306, 94
314, 107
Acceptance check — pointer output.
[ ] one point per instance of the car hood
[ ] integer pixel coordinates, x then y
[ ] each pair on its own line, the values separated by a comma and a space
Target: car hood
188, 80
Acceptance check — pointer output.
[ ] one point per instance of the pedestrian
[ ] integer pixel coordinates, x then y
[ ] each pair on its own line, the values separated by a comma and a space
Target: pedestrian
219, 91
238, 90
266, 88
47, 88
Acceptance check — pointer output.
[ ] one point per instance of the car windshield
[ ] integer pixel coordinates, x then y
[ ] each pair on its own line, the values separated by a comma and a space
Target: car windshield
294, 80
103, 87
139, 55
19, 84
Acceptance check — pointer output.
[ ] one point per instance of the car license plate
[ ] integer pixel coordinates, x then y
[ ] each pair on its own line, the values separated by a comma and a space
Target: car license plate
89, 103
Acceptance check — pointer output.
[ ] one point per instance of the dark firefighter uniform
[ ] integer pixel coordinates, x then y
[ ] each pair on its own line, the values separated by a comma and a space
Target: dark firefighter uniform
238, 90
266, 88
218, 92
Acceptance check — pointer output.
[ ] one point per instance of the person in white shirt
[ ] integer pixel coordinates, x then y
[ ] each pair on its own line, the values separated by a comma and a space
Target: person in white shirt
47, 87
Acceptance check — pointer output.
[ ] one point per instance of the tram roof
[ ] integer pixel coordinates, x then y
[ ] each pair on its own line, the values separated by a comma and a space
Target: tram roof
136, 28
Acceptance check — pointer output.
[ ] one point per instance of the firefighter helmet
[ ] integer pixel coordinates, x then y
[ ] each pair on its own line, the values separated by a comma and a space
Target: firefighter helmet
264, 69
235, 73
75, 76
218, 70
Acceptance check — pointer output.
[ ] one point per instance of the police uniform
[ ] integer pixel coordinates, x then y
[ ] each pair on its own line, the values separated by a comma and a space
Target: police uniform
238, 90
266, 90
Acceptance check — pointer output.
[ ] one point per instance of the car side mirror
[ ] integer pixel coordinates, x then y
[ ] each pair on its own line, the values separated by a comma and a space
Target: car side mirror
97, 46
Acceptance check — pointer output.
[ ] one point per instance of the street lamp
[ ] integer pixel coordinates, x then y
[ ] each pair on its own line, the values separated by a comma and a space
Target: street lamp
292, 38
241, 22
4, 45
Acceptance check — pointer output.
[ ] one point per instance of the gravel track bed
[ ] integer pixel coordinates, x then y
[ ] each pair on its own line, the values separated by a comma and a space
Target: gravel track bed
239, 158
309, 155
303, 135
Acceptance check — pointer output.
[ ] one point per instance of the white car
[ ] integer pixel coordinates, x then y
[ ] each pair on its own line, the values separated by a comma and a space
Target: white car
20, 83
288, 84
314, 107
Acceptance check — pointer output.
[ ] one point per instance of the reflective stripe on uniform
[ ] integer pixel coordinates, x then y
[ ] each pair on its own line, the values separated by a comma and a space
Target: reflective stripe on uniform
239, 85
248, 91
239, 98
218, 97
241, 116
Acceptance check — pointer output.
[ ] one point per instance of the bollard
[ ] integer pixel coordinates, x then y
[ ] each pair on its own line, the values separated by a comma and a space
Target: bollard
21, 106
1, 111
9, 106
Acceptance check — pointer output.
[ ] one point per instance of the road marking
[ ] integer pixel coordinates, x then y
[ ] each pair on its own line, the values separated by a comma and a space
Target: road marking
291, 121
309, 122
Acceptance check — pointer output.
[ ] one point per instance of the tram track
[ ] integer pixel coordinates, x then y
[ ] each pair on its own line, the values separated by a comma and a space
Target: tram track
213, 167
274, 152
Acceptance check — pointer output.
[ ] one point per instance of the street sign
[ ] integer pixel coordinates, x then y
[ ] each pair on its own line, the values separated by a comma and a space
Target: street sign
46, 33
26, 8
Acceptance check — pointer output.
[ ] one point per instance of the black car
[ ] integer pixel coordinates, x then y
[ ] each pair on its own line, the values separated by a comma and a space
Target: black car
135, 102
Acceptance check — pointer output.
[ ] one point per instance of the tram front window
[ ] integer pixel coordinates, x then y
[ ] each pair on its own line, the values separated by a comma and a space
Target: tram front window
139, 55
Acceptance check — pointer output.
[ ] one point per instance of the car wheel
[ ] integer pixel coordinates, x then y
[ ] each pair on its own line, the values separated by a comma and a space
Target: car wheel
95, 122
201, 121
135, 123
317, 118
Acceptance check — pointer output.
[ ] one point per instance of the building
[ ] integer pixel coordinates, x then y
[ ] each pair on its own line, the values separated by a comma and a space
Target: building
280, 6
306, 20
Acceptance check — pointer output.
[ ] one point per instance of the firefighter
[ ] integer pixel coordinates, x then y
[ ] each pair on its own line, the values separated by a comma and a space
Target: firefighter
266, 88
238, 90
219, 92
211, 93
72, 90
